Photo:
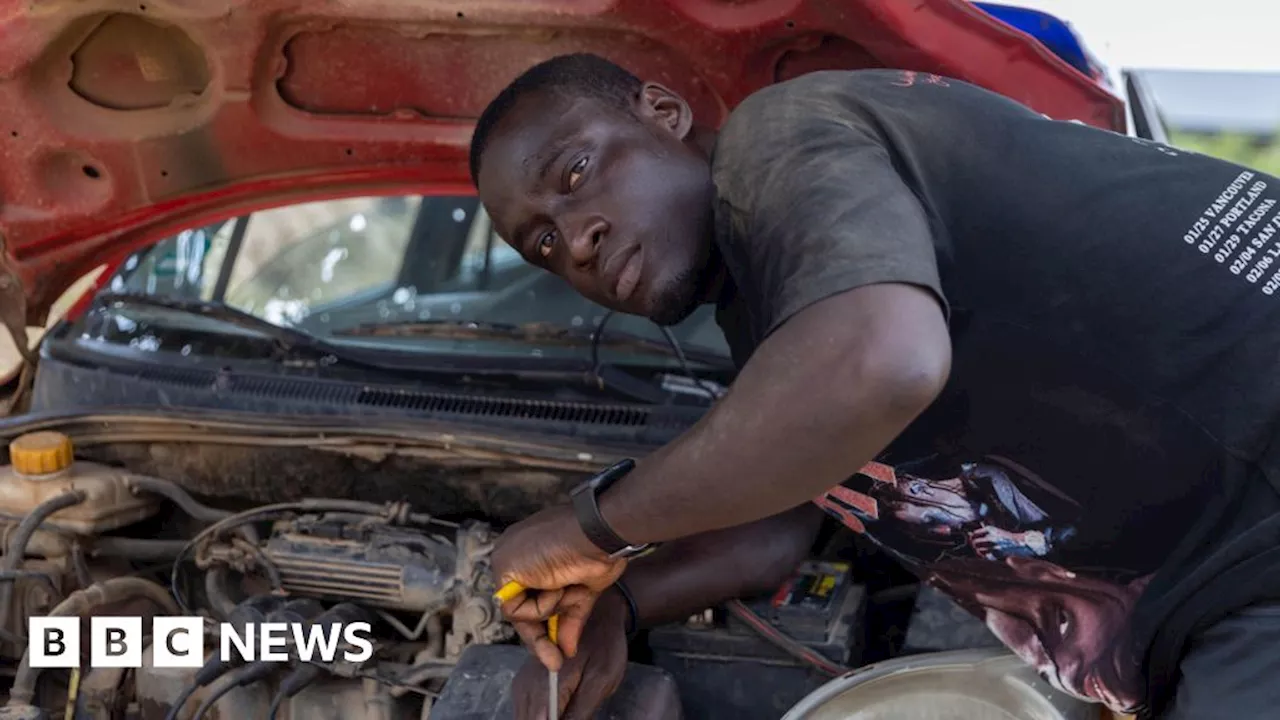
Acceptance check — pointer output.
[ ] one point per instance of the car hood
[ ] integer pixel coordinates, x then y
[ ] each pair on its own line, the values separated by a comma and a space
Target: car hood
127, 121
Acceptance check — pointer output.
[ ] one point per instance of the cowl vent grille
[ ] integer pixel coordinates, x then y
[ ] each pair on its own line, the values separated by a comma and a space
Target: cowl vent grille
422, 401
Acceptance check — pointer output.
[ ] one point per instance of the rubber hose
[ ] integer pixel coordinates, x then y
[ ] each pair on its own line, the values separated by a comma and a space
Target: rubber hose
17, 549
144, 549
216, 591
78, 604
180, 497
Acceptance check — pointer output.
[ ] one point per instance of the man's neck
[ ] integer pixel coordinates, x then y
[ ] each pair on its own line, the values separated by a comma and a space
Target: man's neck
704, 140
714, 277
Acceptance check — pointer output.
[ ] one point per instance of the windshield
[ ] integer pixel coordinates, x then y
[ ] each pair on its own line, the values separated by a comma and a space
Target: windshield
328, 268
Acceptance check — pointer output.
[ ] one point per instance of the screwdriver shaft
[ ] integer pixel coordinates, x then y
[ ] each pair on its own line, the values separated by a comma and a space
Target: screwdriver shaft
509, 592
553, 688
553, 701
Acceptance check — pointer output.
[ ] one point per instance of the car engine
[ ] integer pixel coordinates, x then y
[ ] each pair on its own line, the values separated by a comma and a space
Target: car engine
80, 541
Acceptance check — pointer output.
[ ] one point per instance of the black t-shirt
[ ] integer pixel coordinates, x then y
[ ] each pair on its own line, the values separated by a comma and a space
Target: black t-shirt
1098, 480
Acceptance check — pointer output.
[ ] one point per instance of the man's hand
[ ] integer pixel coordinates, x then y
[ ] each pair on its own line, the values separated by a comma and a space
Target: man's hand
988, 540
548, 552
590, 677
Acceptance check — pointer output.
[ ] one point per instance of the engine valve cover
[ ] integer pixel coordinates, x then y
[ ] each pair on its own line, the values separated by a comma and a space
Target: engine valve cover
386, 566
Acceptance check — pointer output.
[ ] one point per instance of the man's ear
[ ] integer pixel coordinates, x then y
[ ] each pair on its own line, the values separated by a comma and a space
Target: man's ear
668, 110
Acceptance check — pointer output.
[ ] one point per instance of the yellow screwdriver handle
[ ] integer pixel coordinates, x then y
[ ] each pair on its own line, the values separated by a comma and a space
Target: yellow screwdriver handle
508, 592
513, 589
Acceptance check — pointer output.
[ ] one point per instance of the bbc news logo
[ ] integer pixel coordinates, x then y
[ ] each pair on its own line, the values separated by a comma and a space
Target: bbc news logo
179, 642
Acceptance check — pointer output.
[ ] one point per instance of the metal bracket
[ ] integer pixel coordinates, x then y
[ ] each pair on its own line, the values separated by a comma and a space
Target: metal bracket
13, 305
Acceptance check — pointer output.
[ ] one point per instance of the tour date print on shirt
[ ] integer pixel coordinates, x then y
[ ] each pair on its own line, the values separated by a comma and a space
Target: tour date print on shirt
1241, 230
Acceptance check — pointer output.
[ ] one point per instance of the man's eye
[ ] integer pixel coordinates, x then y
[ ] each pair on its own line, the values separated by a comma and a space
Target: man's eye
545, 243
575, 172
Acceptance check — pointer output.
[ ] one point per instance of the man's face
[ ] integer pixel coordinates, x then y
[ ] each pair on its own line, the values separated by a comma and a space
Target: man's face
616, 203
1064, 625
938, 504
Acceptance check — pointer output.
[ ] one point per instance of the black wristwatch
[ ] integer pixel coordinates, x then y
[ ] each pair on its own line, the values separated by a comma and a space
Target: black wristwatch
593, 524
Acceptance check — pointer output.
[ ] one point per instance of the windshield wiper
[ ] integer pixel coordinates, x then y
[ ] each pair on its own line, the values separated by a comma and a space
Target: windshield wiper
541, 332
287, 340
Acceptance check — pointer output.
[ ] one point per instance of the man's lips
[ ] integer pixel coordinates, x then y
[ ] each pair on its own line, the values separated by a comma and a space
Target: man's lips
625, 275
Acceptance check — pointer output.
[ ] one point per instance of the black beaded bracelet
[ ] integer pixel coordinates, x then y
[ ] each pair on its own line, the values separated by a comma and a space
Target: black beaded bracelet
633, 613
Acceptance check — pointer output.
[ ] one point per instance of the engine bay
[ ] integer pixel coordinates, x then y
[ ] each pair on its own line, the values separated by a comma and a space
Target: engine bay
423, 583
173, 517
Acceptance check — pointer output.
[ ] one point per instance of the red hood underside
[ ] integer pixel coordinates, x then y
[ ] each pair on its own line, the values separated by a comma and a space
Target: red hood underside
125, 121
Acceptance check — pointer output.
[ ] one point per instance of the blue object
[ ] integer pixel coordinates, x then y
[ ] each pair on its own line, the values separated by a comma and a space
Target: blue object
1049, 30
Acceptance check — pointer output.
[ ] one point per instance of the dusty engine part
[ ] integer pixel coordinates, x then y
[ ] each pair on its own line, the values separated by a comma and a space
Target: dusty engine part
36, 587
427, 571
82, 603
384, 566
476, 619
57, 506
102, 694
332, 698
43, 466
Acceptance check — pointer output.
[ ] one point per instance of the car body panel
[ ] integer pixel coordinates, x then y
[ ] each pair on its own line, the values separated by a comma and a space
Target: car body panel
125, 122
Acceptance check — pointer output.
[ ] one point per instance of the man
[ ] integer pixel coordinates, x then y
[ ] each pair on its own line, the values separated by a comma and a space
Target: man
919, 277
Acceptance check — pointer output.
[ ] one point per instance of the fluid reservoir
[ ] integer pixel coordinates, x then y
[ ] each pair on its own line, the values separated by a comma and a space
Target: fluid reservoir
43, 465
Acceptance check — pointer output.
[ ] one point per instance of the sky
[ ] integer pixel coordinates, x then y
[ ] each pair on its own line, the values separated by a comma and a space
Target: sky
1184, 34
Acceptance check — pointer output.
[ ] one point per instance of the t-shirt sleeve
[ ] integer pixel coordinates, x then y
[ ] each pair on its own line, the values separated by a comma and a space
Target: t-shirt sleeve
815, 206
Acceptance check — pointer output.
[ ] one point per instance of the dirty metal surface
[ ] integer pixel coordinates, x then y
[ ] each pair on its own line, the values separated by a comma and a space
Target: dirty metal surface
128, 121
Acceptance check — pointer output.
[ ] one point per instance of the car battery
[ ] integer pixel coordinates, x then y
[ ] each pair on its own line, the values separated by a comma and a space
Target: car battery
727, 669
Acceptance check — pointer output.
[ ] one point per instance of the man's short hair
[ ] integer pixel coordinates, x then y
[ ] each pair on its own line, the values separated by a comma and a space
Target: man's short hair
571, 76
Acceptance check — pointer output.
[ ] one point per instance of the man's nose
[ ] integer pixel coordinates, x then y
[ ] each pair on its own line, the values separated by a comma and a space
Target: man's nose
585, 242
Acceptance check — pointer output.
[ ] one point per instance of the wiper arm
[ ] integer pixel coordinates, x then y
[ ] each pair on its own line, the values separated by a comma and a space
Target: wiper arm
286, 339
529, 332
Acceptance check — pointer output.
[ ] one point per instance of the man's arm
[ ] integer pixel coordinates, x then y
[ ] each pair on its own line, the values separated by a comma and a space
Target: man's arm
674, 582
821, 397
697, 572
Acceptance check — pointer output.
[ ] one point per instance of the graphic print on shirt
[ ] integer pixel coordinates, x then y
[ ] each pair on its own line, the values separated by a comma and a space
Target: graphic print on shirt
1241, 230
987, 536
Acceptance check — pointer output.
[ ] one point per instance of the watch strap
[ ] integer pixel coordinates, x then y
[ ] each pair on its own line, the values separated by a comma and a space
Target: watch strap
593, 524
587, 508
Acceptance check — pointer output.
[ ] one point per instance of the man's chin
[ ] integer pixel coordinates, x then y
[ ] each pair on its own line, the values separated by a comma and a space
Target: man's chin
676, 304
668, 317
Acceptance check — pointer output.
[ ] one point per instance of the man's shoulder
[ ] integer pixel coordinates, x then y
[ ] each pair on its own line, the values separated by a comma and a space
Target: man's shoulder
822, 81
815, 95
778, 124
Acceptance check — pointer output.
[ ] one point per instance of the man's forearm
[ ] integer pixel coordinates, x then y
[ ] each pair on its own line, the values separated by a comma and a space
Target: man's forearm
698, 572
810, 408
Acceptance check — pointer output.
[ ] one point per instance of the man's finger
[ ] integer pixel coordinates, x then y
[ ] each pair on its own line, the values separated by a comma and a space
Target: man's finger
587, 701
534, 637
571, 677
574, 609
532, 606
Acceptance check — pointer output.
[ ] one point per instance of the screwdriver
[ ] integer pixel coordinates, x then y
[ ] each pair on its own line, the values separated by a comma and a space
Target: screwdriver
505, 594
